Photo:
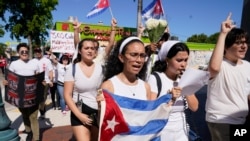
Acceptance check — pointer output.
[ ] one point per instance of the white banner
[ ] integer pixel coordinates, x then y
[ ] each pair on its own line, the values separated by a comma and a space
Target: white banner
62, 42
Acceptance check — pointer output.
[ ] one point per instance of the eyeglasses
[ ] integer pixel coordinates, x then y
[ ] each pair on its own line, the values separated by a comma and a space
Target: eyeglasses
135, 55
240, 42
22, 52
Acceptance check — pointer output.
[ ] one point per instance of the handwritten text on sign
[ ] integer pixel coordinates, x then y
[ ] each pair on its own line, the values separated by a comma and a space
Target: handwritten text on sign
62, 41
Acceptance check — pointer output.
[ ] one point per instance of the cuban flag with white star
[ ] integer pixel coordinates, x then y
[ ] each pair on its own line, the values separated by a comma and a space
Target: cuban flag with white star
99, 7
126, 119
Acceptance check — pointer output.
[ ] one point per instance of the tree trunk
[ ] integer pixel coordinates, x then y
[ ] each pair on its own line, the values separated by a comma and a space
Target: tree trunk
139, 10
30, 46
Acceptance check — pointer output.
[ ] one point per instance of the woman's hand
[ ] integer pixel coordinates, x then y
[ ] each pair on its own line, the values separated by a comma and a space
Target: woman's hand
176, 92
85, 119
228, 24
76, 24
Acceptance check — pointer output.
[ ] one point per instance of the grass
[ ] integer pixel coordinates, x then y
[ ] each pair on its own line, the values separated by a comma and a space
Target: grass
200, 46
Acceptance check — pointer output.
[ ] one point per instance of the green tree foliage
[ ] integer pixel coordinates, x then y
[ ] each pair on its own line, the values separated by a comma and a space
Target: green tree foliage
1, 31
202, 38
30, 18
2, 49
213, 38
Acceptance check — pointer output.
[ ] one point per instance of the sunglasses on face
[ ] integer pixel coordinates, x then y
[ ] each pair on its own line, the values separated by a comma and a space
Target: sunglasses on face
22, 52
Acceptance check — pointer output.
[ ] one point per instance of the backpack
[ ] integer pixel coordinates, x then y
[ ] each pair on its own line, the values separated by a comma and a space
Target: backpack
192, 135
158, 82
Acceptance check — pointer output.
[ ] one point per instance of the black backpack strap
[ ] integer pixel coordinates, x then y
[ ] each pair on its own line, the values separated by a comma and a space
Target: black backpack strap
158, 82
73, 69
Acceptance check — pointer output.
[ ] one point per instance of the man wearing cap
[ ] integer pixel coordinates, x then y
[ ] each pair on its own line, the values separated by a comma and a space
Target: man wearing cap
46, 66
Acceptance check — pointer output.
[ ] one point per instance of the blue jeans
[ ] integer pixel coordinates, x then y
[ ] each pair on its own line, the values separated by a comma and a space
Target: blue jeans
62, 101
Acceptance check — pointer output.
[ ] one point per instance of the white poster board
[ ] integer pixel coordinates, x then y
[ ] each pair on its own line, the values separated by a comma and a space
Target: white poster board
62, 42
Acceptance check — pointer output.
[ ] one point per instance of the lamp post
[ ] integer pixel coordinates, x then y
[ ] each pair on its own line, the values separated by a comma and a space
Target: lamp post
6, 133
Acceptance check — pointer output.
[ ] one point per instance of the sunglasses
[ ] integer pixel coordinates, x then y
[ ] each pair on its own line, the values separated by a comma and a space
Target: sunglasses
22, 52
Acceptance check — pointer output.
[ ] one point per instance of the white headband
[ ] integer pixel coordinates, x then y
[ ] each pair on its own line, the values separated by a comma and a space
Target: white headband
126, 41
165, 47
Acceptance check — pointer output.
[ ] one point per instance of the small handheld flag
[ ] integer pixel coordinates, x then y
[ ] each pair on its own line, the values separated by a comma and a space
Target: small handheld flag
153, 10
99, 7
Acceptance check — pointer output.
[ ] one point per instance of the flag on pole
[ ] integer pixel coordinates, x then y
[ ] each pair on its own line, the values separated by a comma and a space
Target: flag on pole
127, 119
153, 10
99, 7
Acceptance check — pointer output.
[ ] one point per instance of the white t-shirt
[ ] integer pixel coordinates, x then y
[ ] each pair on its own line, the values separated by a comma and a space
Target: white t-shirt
85, 86
28, 68
45, 65
61, 69
136, 92
227, 97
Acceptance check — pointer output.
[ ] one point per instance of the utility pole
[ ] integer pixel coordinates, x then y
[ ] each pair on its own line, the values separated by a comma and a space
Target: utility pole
245, 23
139, 10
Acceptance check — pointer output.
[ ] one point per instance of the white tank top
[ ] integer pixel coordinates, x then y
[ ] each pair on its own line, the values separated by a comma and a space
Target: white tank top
137, 91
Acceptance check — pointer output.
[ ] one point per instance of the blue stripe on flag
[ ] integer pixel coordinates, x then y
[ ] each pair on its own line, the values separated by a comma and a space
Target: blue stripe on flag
141, 105
153, 125
150, 6
156, 139
100, 10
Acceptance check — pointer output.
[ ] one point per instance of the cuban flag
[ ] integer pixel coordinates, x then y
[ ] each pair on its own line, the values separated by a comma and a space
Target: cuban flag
99, 7
153, 10
126, 119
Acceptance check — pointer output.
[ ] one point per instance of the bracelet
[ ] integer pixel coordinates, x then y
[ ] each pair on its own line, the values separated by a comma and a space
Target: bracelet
113, 29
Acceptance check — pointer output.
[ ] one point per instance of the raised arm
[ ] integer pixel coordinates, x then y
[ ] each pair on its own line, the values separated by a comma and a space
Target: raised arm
217, 55
76, 26
112, 37
140, 31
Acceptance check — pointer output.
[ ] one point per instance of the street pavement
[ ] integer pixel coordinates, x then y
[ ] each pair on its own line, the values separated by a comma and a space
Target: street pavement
54, 118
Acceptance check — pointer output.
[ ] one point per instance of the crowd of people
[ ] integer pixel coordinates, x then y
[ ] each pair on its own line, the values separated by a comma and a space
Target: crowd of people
129, 68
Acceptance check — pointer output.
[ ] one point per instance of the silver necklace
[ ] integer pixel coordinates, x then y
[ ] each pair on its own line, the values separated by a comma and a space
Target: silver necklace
132, 89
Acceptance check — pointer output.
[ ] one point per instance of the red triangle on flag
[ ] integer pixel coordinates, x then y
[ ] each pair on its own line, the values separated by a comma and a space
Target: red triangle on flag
113, 121
158, 8
103, 4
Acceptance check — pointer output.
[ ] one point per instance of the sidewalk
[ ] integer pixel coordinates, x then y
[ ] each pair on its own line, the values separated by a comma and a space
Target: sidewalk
55, 127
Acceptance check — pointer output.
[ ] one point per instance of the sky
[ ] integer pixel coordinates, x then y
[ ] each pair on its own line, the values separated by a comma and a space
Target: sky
185, 17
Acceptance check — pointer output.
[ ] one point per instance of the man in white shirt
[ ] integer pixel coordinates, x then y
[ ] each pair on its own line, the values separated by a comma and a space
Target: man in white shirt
25, 67
46, 66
